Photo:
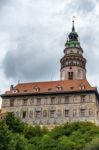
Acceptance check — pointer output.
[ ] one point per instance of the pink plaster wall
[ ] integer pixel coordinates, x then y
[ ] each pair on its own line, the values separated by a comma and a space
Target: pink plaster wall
79, 73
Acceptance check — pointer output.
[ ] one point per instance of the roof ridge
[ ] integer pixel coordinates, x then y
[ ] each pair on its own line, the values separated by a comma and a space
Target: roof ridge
52, 81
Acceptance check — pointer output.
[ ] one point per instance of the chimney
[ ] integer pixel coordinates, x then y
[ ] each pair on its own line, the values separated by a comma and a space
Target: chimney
11, 87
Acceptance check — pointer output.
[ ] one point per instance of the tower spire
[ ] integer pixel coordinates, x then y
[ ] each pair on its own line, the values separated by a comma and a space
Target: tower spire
73, 64
73, 27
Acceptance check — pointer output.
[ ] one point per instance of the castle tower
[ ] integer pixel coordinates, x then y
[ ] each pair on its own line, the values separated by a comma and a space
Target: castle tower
73, 64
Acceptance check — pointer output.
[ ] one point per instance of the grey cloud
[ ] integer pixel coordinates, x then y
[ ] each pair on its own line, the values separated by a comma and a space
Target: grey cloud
81, 6
90, 45
32, 59
37, 36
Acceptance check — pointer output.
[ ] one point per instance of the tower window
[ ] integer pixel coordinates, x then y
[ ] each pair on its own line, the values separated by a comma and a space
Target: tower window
70, 75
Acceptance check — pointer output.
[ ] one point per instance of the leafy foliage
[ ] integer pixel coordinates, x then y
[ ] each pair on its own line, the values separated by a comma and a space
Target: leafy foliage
16, 135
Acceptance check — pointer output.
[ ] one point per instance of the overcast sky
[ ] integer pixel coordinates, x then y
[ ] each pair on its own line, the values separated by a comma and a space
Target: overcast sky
33, 34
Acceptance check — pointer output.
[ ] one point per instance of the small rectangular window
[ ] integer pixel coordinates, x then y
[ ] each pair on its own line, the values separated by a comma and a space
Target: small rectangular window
90, 112
74, 112
38, 101
83, 98
31, 114
24, 114
67, 113
24, 102
52, 100
38, 114
82, 112
59, 100
45, 113
11, 102
66, 99
52, 113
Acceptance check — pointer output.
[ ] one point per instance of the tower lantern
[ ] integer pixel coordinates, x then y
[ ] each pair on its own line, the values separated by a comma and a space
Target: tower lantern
73, 64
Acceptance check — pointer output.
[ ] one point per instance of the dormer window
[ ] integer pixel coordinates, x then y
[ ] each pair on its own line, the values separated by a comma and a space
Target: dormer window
25, 90
36, 89
49, 89
81, 86
59, 88
15, 91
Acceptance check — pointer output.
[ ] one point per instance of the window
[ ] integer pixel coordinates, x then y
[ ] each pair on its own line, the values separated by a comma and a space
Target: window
66, 99
38, 101
31, 101
82, 112
83, 98
59, 100
67, 113
24, 102
45, 101
31, 114
70, 75
5, 102
59, 113
79, 73
74, 99
59, 88
81, 86
36, 89
17, 113
11, 102
45, 113
24, 114
38, 114
49, 89
52, 113
25, 90
52, 100
90, 112
74, 112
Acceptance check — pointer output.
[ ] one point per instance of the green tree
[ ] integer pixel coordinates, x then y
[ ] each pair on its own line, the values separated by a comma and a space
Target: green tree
93, 145
66, 144
4, 136
19, 142
14, 124
48, 143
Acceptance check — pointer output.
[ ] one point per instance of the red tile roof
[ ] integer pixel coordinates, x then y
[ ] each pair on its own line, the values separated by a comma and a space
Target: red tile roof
51, 87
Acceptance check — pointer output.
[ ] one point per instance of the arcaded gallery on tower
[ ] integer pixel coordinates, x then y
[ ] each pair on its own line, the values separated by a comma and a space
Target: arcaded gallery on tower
71, 98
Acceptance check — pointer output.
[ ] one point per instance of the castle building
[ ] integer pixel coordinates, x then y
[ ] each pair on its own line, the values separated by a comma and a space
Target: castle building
71, 98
